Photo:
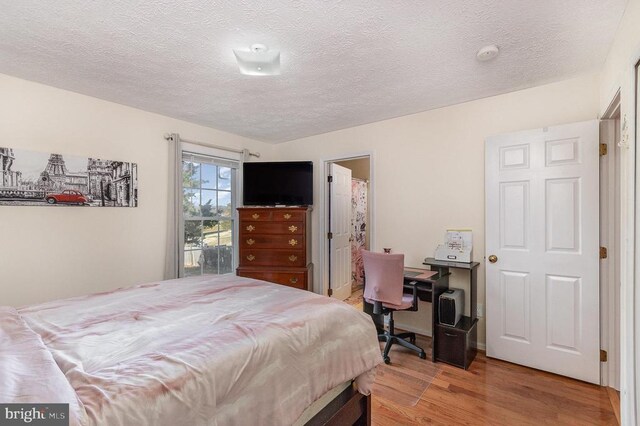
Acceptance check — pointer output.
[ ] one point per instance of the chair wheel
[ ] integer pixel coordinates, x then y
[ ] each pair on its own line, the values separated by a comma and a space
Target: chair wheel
387, 360
422, 355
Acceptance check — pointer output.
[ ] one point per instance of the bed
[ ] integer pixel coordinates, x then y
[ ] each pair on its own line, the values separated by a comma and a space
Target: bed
202, 350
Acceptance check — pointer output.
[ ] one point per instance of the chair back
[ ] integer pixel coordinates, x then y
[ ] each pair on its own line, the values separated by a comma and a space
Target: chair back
384, 277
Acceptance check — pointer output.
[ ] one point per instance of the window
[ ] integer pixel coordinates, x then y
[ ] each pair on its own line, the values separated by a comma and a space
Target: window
209, 194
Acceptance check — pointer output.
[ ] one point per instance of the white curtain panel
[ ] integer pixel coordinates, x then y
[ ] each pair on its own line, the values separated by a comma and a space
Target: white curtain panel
174, 217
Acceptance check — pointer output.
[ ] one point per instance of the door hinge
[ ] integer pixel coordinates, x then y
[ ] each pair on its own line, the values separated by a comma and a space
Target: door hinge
329, 235
603, 355
329, 179
603, 149
603, 253
329, 292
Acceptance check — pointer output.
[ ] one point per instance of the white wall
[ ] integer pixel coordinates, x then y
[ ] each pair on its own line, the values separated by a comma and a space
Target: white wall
428, 172
54, 252
618, 74
617, 71
360, 168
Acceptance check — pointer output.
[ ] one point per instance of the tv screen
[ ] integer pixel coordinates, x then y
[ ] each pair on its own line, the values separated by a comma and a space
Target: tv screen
281, 183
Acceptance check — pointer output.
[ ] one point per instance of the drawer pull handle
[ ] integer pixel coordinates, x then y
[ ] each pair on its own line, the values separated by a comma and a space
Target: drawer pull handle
293, 242
293, 228
449, 334
255, 215
293, 280
287, 216
250, 228
251, 241
293, 258
251, 258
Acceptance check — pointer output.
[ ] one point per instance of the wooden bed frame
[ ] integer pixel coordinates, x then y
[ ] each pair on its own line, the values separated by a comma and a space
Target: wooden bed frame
348, 408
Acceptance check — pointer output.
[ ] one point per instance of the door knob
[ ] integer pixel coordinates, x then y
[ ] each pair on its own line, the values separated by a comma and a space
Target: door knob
493, 258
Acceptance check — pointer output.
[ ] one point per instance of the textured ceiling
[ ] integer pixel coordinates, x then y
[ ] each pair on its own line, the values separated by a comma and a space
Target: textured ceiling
344, 63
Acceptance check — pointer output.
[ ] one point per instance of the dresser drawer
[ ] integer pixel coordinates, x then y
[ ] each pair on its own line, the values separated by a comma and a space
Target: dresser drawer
250, 241
290, 279
288, 215
287, 228
256, 215
264, 257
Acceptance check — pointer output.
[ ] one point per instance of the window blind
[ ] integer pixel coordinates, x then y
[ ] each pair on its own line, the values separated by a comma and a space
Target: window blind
208, 159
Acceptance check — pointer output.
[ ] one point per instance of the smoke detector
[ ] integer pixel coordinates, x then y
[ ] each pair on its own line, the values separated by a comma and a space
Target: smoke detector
488, 53
258, 60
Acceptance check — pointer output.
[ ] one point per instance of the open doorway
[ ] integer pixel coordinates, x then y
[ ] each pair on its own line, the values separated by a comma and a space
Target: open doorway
348, 221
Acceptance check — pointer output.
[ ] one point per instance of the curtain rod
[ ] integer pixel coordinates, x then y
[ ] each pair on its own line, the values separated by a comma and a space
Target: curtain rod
244, 152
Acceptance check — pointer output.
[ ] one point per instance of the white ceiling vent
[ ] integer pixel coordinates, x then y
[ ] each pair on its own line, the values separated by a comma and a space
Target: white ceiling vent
258, 60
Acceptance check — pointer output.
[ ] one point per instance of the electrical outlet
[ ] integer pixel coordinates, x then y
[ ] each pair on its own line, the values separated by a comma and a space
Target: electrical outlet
480, 310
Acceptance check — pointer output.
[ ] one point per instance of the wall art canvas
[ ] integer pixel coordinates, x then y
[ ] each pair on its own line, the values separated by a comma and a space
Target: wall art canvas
30, 178
358, 229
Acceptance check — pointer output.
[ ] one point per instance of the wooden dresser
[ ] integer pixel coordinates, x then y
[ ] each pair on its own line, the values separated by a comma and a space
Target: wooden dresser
275, 245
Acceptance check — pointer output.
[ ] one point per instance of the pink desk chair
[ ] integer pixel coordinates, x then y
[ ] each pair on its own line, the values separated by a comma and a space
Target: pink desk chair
384, 285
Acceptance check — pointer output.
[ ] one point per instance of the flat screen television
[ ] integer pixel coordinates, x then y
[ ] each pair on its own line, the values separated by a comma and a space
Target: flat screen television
288, 183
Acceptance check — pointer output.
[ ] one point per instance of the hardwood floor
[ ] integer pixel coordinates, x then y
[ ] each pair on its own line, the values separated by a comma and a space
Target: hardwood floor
491, 392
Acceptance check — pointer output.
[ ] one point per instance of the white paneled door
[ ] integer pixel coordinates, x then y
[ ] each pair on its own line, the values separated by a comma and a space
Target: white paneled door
340, 227
542, 248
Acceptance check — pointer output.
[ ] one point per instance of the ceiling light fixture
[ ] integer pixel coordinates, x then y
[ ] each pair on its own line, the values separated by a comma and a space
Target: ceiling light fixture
488, 53
258, 60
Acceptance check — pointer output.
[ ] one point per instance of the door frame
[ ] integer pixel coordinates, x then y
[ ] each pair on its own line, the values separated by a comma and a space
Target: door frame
610, 268
322, 285
627, 84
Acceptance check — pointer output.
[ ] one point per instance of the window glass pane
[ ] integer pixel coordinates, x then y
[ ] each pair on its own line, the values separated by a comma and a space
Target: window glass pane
226, 230
210, 255
225, 258
192, 261
224, 203
208, 203
192, 234
191, 202
209, 173
210, 233
224, 178
190, 174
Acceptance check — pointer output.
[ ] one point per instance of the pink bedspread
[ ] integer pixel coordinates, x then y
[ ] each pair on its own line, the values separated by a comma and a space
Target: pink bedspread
203, 350
28, 372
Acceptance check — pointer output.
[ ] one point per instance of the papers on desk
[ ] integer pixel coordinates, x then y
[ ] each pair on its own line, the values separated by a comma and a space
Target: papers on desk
457, 247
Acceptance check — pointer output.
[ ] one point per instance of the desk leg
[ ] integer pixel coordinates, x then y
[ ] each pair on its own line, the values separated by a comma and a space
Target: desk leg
473, 289
439, 287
